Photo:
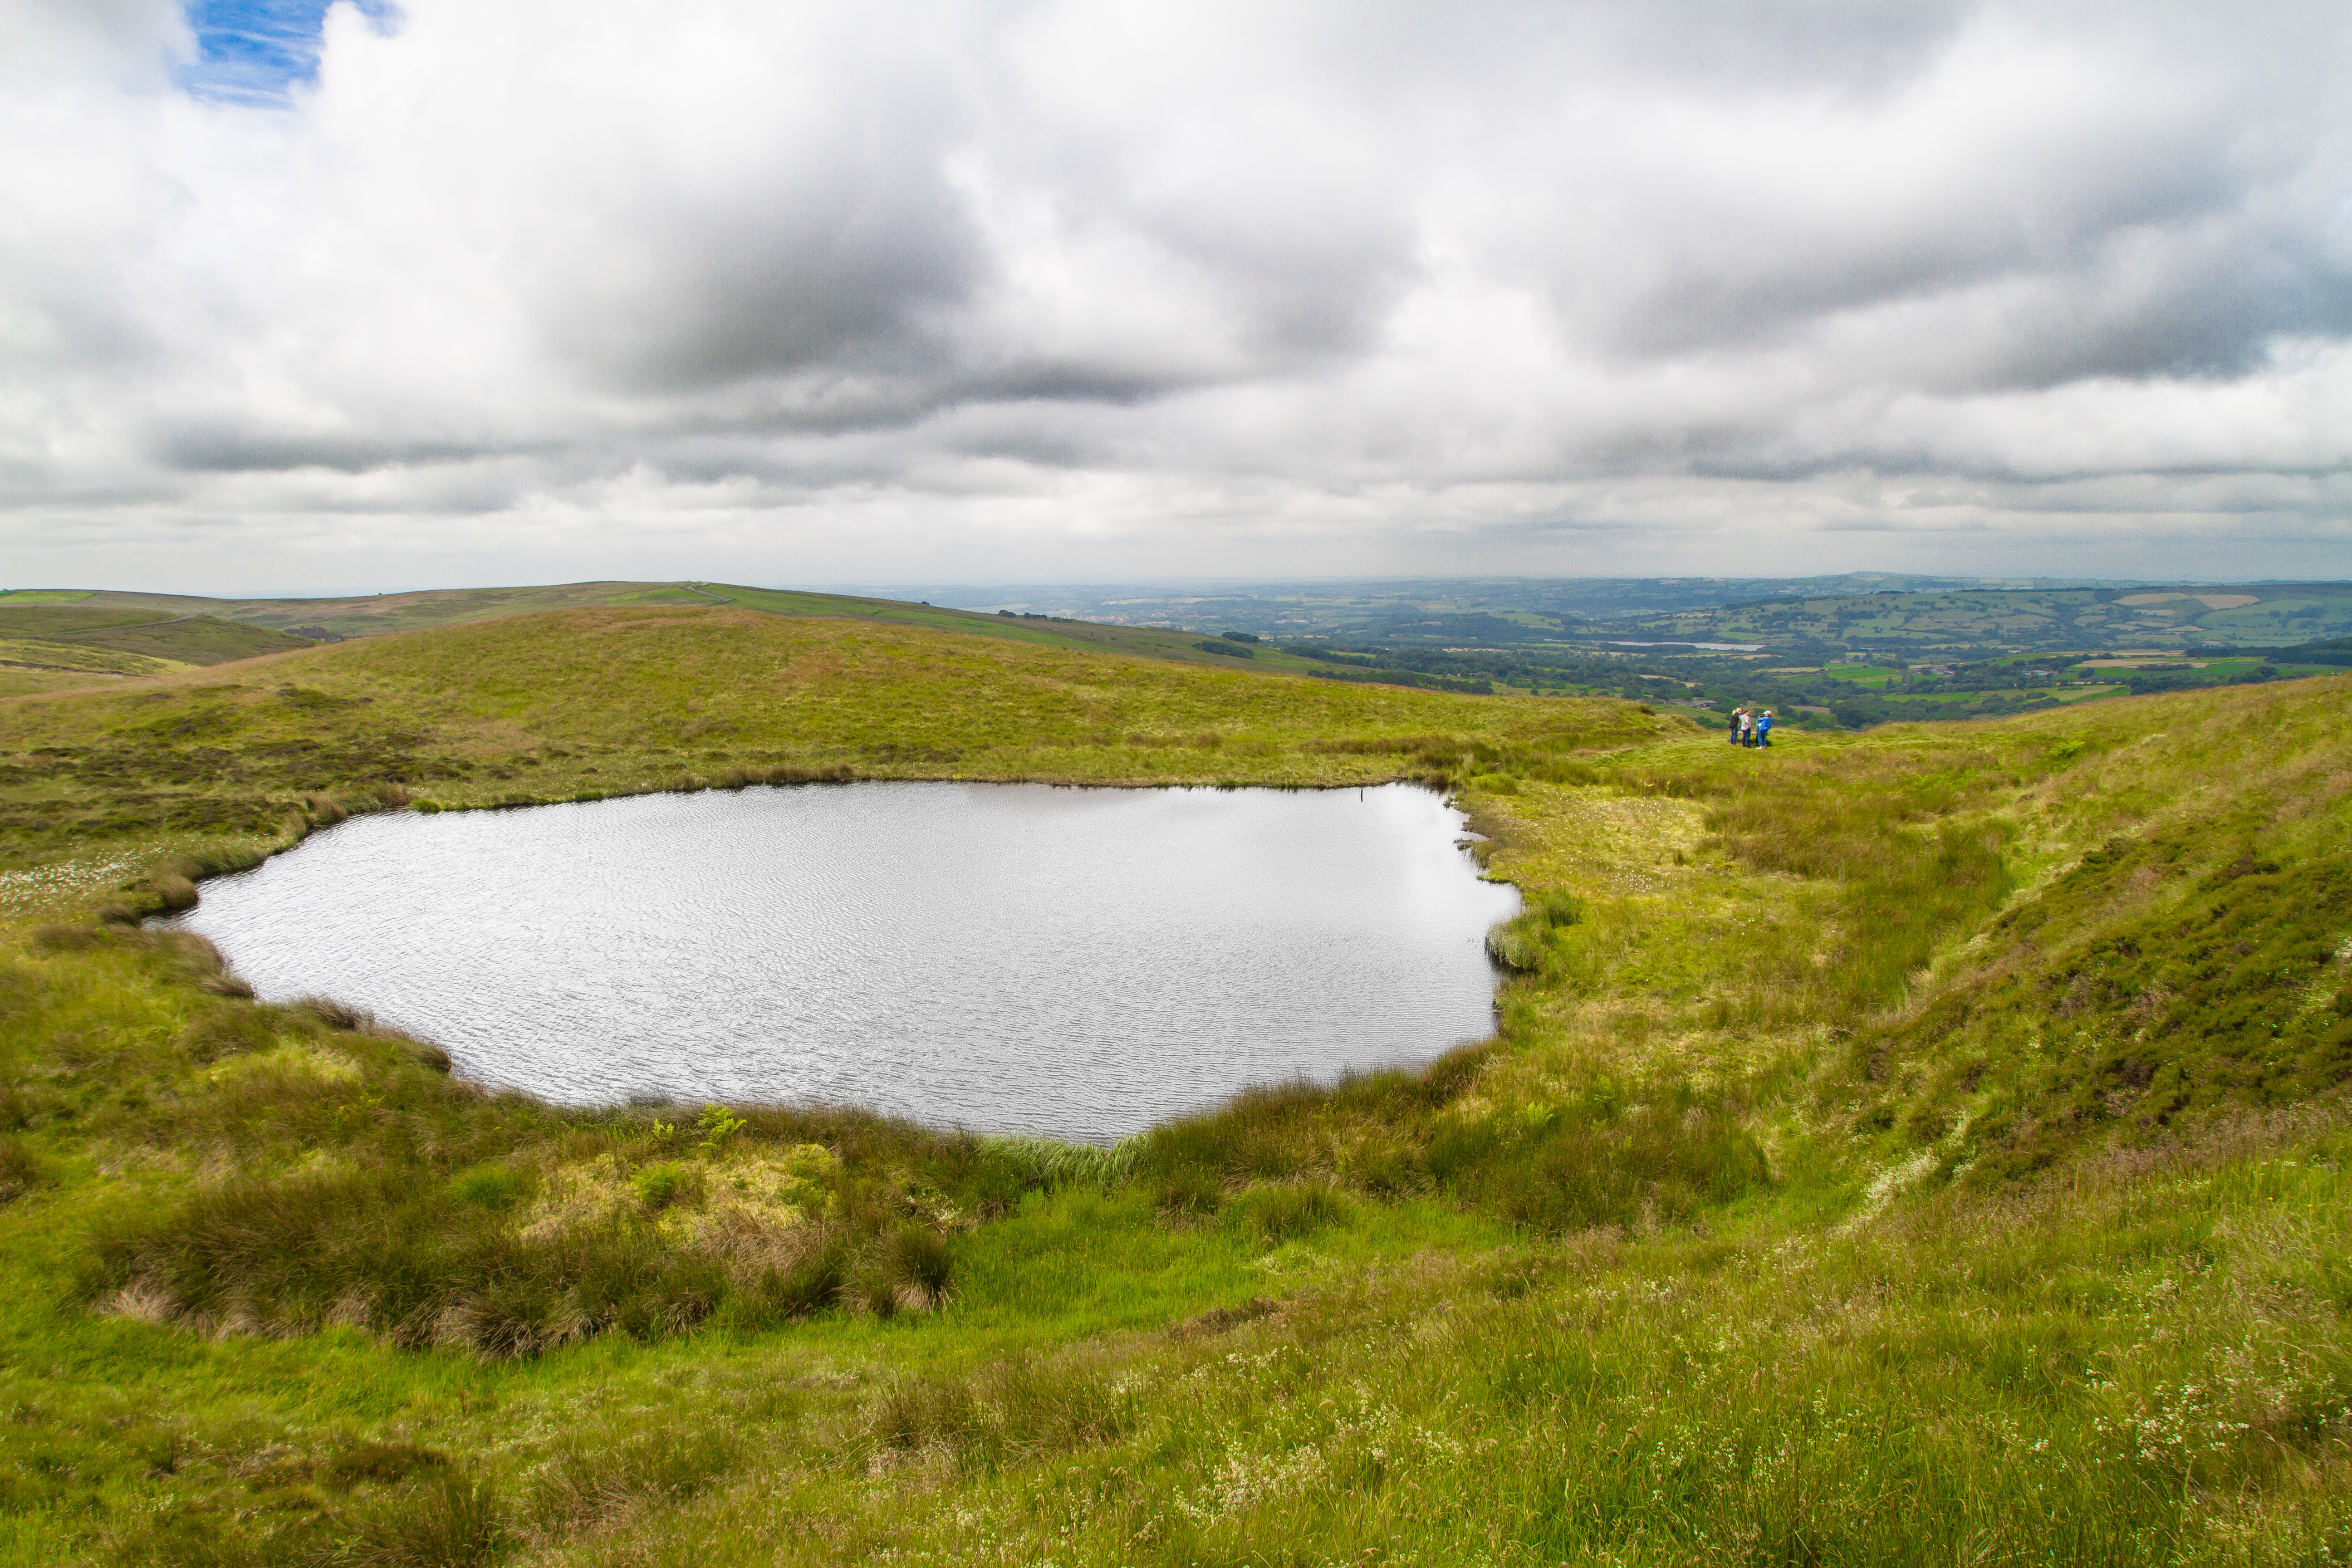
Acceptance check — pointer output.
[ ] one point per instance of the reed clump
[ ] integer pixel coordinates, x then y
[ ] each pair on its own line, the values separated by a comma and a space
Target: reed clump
21, 1170
446, 1519
1288, 1211
1022, 1407
1520, 945
369, 1461
1046, 1164
172, 891
601, 1477
1186, 1192
904, 1269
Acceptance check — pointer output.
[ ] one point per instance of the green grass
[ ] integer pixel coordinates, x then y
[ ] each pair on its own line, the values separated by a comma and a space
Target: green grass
1921, 1146
610, 702
82, 637
1141, 642
1927, 625
1948, 698
1860, 674
213, 630
198, 640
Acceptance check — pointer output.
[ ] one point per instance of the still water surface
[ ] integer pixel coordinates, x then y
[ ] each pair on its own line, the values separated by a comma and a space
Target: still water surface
1080, 962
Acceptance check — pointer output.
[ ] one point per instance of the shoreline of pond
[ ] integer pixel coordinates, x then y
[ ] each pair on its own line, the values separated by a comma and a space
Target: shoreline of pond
1462, 837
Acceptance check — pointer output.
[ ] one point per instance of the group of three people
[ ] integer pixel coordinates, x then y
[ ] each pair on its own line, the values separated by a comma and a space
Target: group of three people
1750, 726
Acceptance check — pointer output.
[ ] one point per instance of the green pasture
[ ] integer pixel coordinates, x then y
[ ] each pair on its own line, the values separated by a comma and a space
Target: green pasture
1921, 1145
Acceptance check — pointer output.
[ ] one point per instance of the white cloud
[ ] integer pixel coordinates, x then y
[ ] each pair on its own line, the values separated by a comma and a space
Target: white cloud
534, 290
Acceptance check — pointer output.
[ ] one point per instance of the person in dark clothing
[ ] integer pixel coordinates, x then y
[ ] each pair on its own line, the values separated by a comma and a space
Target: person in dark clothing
1736, 716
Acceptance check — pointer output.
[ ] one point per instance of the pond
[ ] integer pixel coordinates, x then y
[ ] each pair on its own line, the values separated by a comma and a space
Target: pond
1009, 958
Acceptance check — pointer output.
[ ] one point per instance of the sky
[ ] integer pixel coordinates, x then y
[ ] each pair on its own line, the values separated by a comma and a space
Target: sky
297, 298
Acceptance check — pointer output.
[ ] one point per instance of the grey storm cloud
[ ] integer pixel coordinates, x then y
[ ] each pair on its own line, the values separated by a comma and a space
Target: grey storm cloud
717, 286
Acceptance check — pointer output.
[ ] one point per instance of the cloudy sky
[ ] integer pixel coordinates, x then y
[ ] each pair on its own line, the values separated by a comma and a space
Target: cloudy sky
453, 291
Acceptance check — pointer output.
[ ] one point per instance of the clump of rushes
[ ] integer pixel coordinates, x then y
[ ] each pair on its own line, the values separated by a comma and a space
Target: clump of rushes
369, 1462
1021, 1164
907, 1269
1188, 1192
336, 1015
1599, 1161
597, 1475
1384, 1165
1521, 943
446, 1519
20, 1169
1285, 1212
810, 1280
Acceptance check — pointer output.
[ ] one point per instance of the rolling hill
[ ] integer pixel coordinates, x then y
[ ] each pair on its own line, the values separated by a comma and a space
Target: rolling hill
55, 643
1929, 1145
378, 614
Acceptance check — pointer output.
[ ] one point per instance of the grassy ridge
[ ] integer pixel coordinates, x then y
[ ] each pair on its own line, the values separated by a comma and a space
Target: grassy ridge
179, 639
378, 614
607, 701
1925, 1146
50, 645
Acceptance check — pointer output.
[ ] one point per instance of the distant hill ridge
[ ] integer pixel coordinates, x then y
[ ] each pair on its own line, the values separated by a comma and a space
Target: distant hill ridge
83, 631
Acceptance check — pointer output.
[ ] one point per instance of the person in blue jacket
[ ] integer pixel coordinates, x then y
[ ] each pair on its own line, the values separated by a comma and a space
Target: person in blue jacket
1764, 728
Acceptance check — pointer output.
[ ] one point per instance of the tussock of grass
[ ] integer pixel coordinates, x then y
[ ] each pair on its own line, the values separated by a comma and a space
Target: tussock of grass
442, 1522
172, 891
1283, 1213
1188, 1192
21, 1170
905, 1269
1018, 1409
599, 1479
1043, 1164
1598, 1162
369, 1461
1520, 944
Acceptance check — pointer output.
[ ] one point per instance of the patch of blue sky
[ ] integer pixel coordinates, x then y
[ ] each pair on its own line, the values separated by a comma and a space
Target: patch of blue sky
258, 51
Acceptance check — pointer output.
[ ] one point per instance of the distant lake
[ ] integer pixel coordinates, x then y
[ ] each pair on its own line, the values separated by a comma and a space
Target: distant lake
1010, 958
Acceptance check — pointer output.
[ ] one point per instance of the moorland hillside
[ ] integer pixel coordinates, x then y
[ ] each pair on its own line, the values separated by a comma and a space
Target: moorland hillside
65, 646
58, 639
1924, 1145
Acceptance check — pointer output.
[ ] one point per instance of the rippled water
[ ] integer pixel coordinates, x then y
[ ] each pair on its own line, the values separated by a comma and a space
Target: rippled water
1080, 962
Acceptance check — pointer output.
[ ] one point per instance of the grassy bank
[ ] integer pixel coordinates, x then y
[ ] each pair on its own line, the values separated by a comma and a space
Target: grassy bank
1921, 1146
578, 704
